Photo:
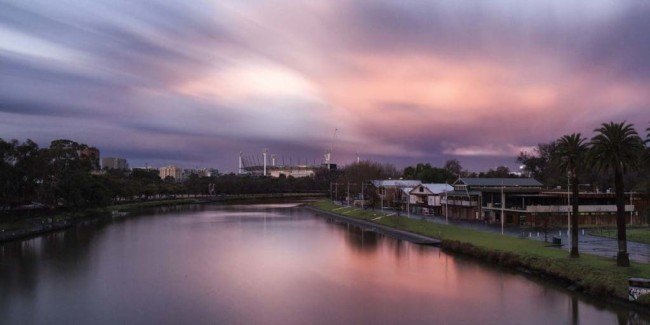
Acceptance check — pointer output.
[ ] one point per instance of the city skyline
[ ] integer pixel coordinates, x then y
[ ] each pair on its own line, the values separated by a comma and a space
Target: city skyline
194, 83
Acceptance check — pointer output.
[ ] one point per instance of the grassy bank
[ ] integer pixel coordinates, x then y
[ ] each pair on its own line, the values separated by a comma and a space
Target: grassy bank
592, 274
150, 204
37, 222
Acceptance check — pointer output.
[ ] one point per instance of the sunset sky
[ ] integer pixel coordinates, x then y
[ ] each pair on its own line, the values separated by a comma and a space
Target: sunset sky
195, 82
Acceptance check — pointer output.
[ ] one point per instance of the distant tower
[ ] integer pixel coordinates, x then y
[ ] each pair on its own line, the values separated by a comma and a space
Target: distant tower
241, 163
273, 160
358, 159
328, 155
266, 151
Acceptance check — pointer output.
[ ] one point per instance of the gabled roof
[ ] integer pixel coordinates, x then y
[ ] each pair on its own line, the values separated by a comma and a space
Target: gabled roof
396, 183
498, 182
433, 188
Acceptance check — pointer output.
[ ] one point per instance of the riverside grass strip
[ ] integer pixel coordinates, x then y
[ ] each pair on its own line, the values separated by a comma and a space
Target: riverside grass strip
591, 274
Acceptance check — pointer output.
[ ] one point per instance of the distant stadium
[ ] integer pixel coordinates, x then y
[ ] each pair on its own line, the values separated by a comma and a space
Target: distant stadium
270, 165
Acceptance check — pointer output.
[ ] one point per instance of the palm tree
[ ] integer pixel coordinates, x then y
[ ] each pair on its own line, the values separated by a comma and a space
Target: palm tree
570, 155
616, 148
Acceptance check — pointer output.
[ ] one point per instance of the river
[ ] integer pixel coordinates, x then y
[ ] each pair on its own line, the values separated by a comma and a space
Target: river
265, 264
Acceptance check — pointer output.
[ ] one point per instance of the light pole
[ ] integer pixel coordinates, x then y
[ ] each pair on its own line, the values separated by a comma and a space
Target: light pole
363, 197
408, 205
446, 205
568, 207
331, 193
503, 205
348, 198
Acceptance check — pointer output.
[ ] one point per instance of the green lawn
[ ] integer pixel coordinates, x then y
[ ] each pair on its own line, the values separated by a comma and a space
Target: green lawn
598, 275
641, 235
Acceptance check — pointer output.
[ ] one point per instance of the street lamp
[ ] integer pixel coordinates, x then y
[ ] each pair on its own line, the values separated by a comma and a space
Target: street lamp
568, 200
446, 204
363, 197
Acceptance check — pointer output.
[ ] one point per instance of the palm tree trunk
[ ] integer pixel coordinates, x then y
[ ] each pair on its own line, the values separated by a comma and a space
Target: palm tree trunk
622, 258
574, 220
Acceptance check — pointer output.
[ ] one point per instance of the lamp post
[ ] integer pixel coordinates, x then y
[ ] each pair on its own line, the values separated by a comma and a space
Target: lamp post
348, 193
503, 205
363, 197
408, 205
568, 207
446, 205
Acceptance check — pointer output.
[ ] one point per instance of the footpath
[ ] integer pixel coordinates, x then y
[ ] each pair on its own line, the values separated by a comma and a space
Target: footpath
595, 245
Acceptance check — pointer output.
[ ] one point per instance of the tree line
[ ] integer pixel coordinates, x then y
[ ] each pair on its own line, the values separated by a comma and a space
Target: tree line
66, 175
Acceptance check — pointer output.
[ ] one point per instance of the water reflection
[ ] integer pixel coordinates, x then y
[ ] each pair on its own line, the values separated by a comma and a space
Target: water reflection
267, 264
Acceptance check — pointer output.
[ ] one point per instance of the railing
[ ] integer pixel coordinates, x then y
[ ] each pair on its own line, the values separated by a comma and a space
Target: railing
581, 208
459, 202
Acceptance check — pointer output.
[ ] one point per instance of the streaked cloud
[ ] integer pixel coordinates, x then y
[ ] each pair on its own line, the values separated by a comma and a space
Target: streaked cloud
195, 82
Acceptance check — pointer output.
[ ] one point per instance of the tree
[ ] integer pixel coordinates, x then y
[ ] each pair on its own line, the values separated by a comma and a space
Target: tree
499, 172
570, 156
615, 149
9, 175
453, 166
538, 164
428, 174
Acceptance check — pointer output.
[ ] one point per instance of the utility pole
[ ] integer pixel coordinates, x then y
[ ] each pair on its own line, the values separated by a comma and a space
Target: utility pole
266, 151
363, 197
336, 190
348, 198
331, 193
503, 205
568, 207
446, 205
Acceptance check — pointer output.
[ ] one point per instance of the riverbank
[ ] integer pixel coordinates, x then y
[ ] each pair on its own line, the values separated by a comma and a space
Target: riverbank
593, 275
390, 231
41, 222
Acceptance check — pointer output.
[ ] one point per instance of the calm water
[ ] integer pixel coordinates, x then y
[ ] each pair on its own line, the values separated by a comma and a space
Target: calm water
264, 264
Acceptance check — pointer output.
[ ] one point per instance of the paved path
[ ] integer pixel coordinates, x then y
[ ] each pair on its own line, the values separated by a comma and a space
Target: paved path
595, 245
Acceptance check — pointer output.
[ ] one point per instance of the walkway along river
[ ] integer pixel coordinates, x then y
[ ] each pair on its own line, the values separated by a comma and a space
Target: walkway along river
265, 264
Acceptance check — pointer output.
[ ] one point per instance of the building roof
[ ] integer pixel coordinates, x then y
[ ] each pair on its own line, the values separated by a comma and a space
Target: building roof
407, 190
497, 182
396, 183
434, 188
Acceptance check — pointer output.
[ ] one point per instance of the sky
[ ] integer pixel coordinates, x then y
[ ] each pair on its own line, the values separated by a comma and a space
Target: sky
196, 82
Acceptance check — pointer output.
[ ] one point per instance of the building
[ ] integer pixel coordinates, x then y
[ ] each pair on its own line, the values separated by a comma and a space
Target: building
393, 193
480, 198
273, 166
171, 171
427, 198
523, 201
114, 163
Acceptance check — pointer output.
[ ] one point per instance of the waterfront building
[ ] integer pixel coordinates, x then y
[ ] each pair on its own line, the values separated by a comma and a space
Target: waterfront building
426, 198
393, 193
523, 201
